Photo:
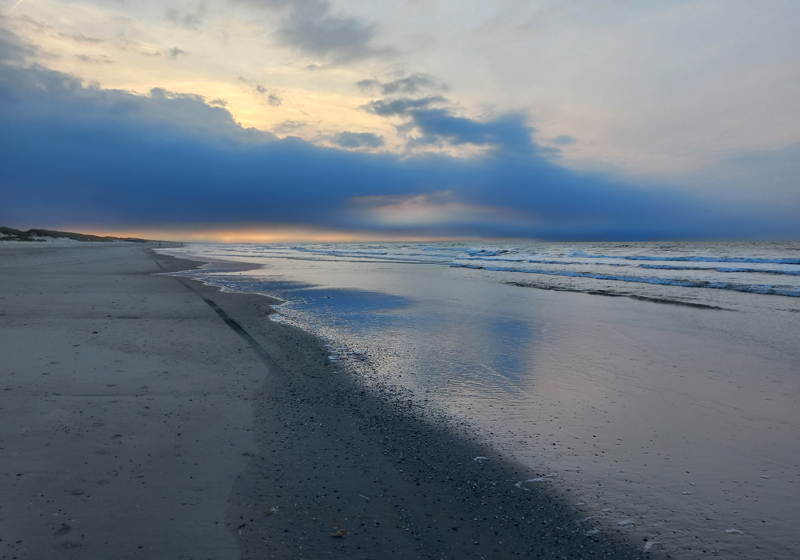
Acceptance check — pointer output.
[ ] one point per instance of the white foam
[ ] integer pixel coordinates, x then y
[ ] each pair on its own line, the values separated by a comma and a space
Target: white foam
766, 289
687, 258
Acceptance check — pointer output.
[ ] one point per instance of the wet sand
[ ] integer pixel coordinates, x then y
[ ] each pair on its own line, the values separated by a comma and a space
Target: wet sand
146, 416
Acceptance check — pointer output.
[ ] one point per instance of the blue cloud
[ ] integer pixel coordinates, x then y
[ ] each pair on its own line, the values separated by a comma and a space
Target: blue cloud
563, 140
358, 140
106, 158
435, 124
11, 49
509, 131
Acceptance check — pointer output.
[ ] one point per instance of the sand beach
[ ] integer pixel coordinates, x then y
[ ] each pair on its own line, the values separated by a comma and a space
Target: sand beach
148, 416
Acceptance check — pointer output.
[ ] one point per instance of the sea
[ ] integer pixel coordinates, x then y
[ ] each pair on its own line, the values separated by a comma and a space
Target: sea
655, 385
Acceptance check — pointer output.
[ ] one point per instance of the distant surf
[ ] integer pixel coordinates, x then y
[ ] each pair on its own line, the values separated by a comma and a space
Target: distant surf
681, 272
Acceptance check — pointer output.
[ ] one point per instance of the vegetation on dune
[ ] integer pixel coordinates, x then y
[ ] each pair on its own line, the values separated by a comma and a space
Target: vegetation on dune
11, 234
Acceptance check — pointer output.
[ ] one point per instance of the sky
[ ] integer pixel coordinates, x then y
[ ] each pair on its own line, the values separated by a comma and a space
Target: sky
292, 120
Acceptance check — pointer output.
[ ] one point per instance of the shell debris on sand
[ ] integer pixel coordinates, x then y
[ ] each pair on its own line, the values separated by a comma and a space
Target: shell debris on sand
537, 479
649, 545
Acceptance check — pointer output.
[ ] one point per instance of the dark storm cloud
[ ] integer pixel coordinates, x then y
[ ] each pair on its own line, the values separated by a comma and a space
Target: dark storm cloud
358, 140
105, 158
310, 27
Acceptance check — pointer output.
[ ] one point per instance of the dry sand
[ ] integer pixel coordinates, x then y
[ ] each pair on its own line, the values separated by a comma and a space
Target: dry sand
146, 416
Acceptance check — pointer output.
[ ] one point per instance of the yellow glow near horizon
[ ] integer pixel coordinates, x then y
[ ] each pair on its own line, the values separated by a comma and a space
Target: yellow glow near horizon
256, 235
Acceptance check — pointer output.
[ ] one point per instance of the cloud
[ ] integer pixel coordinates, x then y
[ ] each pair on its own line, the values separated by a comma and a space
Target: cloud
134, 46
175, 52
290, 127
509, 131
401, 107
81, 38
563, 140
426, 210
94, 59
74, 154
368, 85
437, 124
310, 27
38, 94
763, 180
190, 19
12, 49
358, 140
272, 98
413, 84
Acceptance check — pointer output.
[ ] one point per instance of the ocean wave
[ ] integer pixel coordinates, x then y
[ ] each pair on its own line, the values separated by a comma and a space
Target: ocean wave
754, 260
765, 289
346, 252
491, 259
721, 269
531, 261
438, 248
419, 254
489, 252
664, 300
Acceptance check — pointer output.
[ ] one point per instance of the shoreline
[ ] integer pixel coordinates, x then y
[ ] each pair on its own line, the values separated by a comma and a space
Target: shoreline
677, 418
309, 463
413, 471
